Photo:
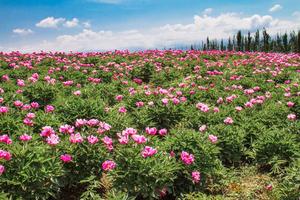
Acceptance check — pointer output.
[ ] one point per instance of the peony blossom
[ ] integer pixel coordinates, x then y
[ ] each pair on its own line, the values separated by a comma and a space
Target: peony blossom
5, 139
292, 117
151, 131
66, 129
165, 101
196, 176
5, 155
3, 109
163, 132
25, 137
75, 138
203, 128
49, 108
203, 107
108, 165
228, 120
187, 158
92, 139
103, 127
139, 139
122, 109
119, 97
213, 139
66, 158
52, 140
47, 131
2, 169
148, 151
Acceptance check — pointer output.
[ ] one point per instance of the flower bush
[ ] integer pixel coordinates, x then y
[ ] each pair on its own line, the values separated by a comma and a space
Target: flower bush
146, 125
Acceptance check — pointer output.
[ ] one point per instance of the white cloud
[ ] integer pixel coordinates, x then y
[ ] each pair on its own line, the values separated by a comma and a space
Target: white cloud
217, 27
22, 32
50, 22
86, 24
207, 11
72, 23
296, 14
275, 8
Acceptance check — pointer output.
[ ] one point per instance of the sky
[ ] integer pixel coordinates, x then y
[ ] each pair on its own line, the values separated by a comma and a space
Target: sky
100, 25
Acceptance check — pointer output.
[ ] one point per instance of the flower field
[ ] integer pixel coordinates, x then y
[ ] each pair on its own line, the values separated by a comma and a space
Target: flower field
150, 125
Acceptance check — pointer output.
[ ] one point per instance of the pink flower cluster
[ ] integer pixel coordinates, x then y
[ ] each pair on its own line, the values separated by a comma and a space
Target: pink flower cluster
148, 151
187, 158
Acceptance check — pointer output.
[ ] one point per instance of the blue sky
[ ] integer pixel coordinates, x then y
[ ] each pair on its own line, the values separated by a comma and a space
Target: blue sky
81, 25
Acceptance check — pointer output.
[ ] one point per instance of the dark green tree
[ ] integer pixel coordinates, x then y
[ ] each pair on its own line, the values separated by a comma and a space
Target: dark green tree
285, 42
257, 41
266, 41
239, 41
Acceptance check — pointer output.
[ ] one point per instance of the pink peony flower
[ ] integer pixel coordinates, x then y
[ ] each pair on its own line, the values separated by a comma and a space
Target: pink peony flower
107, 140
66, 129
75, 138
52, 140
123, 139
5, 155
25, 137
129, 131
80, 122
49, 108
196, 176
202, 128
28, 122
20, 82
238, 108
18, 103
66, 158
2, 169
30, 115
151, 131
47, 131
139, 104
77, 93
213, 139
139, 139
220, 100
92, 122
292, 117
165, 101
290, 104
5, 139
3, 109
163, 132
34, 105
26, 107
148, 151
108, 165
248, 104
228, 120
92, 139
216, 109
122, 109
187, 158
203, 107
119, 97
175, 101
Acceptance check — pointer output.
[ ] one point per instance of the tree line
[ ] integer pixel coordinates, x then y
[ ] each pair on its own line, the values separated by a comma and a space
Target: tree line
259, 41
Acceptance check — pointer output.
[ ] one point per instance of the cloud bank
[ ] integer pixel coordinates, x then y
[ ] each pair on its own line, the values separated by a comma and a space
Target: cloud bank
169, 35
